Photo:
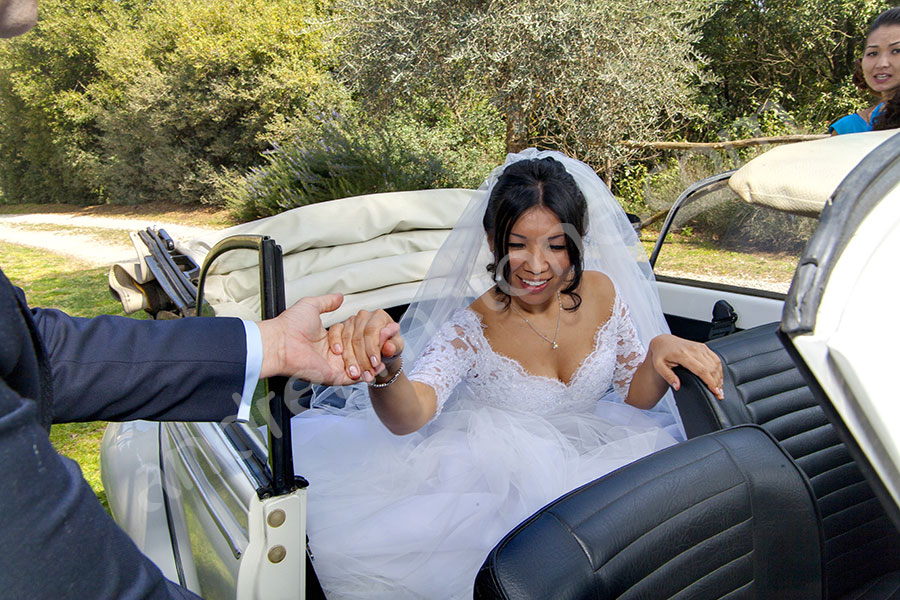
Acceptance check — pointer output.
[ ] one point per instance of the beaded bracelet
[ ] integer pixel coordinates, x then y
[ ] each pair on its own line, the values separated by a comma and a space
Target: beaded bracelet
389, 381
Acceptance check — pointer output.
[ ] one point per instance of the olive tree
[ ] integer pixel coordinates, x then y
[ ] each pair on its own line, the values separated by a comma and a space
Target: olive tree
575, 75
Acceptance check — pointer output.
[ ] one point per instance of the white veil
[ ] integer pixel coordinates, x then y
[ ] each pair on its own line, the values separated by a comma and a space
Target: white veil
458, 274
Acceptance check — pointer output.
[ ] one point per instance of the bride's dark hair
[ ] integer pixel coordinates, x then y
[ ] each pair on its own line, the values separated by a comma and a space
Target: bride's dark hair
522, 186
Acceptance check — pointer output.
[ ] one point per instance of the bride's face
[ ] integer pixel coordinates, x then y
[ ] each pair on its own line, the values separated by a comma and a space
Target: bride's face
538, 260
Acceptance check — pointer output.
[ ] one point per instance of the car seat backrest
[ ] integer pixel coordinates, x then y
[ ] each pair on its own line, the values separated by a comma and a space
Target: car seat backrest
763, 386
702, 519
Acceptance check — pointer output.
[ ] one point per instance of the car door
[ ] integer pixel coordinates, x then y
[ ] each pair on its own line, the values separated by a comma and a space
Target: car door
722, 264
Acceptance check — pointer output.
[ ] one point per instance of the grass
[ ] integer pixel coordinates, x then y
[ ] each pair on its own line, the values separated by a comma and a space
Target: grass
696, 258
53, 281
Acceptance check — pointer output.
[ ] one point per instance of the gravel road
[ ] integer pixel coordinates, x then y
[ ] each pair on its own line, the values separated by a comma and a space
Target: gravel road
56, 233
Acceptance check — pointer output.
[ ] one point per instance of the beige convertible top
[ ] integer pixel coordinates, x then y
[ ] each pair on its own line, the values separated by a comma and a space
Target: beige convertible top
800, 178
374, 249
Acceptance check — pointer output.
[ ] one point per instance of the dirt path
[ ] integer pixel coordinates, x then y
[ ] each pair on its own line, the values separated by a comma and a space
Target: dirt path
98, 241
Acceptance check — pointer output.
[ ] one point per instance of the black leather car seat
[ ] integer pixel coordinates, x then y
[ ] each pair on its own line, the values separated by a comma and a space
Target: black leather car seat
762, 386
727, 515
601, 541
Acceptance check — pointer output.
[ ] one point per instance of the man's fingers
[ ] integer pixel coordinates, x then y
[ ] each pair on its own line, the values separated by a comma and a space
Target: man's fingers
326, 303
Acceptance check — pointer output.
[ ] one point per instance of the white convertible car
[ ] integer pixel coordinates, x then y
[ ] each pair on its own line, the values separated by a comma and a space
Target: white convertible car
789, 488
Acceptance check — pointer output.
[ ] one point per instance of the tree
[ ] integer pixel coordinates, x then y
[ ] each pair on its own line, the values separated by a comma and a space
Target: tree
196, 88
48, 141
575, 75
129, 101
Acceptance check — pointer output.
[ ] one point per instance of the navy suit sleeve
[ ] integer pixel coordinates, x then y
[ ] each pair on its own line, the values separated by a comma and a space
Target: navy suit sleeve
115, 368
58, 542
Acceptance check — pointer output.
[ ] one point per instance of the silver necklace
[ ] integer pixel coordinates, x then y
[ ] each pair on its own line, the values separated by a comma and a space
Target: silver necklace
534, 329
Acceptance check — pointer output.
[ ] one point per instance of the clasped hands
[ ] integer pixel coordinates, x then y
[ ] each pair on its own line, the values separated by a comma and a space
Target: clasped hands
295, 343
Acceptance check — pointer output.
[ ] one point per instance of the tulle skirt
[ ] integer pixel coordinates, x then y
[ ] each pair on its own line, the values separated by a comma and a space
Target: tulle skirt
415, 516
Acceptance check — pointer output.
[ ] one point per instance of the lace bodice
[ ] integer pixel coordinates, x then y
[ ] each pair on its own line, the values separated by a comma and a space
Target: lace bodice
460, 353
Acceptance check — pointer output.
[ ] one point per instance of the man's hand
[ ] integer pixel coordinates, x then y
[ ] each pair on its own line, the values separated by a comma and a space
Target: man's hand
296, 345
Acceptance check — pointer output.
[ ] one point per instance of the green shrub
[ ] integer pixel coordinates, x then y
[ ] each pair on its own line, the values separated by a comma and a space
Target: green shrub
199, 87
343, 157
129, 102
735, 225
48, 141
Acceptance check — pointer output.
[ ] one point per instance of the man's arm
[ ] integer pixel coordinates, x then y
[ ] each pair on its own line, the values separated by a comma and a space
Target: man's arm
116, 368
58, 542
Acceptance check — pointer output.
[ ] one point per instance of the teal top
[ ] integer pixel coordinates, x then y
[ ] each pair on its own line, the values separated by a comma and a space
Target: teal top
854, 123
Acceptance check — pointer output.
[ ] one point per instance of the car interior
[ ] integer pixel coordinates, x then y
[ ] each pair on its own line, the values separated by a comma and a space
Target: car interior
768, 497
763, 501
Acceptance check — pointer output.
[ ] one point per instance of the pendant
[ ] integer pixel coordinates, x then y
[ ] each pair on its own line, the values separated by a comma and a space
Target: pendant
555, 346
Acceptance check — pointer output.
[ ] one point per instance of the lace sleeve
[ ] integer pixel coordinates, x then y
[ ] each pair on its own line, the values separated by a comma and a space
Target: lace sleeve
629, 350
447, 358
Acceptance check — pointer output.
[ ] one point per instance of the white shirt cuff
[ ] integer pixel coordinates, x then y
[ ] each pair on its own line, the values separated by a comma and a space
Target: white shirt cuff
252, 370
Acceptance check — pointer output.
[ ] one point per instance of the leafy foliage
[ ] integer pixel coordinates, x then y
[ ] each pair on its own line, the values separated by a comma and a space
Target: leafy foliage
798, 53
345, 157
48, 139
150, 100
126, 101
204, 86
575, 75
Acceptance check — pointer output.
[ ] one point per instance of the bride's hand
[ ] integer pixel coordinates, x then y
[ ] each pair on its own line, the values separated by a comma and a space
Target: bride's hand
668, 351
366, 341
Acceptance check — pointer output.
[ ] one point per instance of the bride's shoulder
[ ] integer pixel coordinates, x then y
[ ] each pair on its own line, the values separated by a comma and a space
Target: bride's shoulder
598, 295
484, 305
464, 321
595, 282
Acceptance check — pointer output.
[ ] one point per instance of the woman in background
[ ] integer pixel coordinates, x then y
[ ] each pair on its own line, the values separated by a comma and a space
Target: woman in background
879, 72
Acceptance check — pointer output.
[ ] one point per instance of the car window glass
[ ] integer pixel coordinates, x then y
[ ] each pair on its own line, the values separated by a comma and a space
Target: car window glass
722, 240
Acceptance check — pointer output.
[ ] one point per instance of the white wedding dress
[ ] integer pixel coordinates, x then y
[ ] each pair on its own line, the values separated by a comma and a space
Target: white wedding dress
415, 516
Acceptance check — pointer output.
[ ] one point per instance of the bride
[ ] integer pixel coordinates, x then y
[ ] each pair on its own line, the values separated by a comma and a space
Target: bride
524, 380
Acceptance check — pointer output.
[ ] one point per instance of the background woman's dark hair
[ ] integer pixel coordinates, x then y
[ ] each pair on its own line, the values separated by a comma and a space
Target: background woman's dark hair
524, 185
889, 17
889, 115
858, 79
